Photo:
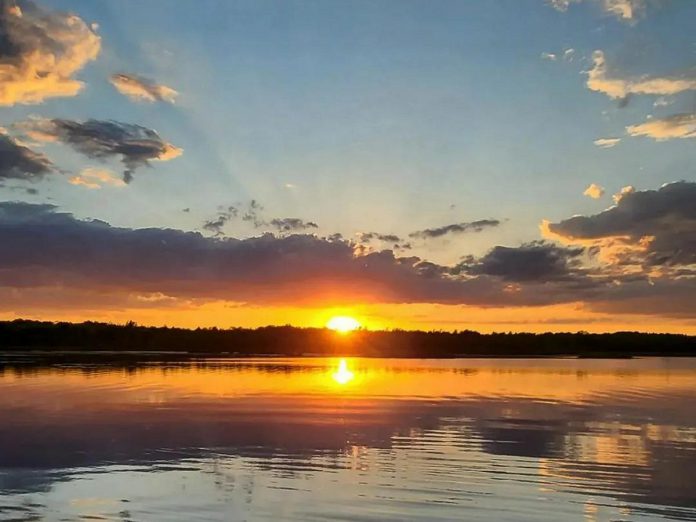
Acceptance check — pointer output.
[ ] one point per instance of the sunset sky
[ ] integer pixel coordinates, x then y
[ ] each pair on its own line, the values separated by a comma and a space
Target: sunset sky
509, 165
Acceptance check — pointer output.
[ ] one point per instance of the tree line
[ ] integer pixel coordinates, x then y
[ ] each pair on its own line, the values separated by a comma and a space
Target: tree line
26, 335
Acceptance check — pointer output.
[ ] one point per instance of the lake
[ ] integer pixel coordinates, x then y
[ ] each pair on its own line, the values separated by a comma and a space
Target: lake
358, 439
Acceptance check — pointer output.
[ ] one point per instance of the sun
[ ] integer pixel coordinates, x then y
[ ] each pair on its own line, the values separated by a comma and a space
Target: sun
343, 324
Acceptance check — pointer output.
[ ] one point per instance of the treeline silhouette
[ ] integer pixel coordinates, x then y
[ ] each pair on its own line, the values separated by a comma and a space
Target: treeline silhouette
25, 335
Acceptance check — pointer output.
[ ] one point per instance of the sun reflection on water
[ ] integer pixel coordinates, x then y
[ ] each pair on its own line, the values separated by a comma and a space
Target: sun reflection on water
343, 375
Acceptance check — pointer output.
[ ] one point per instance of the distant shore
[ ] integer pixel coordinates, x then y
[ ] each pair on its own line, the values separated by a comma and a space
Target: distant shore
64, 339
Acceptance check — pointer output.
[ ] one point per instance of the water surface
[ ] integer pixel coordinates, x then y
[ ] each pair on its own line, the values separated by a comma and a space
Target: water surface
376, 439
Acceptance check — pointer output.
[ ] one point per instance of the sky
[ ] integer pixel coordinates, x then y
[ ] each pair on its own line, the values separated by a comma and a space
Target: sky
498, 166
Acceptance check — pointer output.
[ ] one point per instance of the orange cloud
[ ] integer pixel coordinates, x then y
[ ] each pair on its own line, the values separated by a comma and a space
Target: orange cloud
594, 191
42, 52
598, 79
142, 89
93, 178
675, 126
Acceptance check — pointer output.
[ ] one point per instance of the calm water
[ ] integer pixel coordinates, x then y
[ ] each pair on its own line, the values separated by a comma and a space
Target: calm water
306, 439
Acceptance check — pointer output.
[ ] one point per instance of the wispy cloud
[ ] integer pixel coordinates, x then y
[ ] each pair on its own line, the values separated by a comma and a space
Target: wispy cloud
290, 224
625, 10
41, 52
94, 178
456, 228
660, 129
617, 87
607, 143
142, 89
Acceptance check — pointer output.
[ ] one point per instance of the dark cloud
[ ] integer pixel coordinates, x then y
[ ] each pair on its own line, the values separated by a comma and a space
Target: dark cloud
41, 51
536, 261
134, 144
292, 224
252, 214
653, 228
217, 224
20, 162
456, 228
46, 248
366, 237
294, 268
31, 191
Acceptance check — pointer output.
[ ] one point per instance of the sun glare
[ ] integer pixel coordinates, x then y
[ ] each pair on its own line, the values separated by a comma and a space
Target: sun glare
343, 324
343, 375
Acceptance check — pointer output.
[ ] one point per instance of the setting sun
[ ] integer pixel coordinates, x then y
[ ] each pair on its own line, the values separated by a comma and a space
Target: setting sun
343, 324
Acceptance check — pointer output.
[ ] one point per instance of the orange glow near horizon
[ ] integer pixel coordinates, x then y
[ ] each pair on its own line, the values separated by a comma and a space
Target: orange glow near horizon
415, 316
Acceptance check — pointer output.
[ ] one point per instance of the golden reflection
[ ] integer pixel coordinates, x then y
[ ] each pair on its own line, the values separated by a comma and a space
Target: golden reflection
343, 375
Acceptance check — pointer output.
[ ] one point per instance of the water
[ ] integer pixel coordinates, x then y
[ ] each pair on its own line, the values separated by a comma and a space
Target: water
309, 439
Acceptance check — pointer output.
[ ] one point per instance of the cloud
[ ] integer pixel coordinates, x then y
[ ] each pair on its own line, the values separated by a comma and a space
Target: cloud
142, 89
624, 10
561, 5
41, 52
216, 224
628, 189
250, 213
598, 79
367, 237
92, 254
606, 143
594, 191
292, 224
675, 126
535, 261
456, 228
20, 162
93, 178
95, 258
651, 232
662, 102
98, 139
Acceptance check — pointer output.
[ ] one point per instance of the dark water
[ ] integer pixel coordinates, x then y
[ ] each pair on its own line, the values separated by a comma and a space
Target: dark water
494, 440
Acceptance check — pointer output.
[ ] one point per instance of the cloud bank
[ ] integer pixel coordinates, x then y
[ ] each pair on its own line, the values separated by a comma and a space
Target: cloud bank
91, 256
651, 232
